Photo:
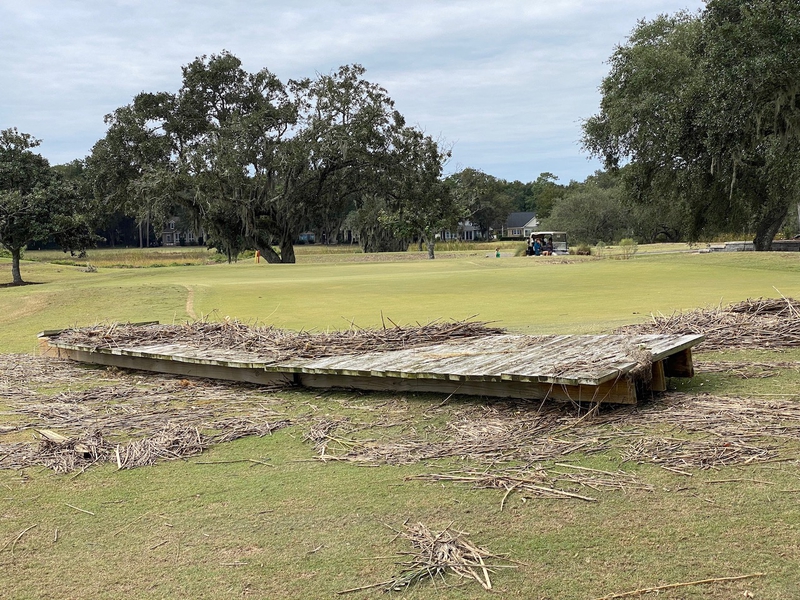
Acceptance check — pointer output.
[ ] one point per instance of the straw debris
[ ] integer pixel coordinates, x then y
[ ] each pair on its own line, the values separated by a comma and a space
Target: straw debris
760, 323
560, 482
125, 418
276, 344
437, 555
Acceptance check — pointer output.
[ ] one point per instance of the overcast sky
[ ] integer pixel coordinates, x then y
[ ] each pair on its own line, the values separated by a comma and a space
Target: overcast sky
505, 82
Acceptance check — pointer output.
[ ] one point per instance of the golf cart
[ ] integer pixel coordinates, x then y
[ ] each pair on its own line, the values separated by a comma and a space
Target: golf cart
559, 240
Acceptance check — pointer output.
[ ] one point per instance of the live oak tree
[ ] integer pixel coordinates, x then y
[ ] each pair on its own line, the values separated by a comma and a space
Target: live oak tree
254, 160
704, 109
37, 203
421, 203
481, 198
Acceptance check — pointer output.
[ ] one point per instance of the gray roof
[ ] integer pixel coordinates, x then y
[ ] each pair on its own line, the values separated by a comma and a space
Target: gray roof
519, 219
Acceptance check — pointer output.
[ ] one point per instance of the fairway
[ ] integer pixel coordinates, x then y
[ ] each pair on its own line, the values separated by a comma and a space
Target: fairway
525, 295
700, 483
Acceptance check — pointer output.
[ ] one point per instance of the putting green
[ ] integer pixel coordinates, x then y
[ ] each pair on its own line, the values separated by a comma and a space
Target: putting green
528, 295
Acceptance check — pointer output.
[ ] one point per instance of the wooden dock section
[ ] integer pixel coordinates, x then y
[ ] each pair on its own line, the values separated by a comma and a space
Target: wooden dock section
579, 368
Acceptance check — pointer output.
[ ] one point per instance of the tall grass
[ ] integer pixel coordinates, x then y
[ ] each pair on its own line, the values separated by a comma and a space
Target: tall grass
131, 258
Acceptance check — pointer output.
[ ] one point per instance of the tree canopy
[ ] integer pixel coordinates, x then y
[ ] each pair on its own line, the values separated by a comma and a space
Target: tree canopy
257, 161
704, 109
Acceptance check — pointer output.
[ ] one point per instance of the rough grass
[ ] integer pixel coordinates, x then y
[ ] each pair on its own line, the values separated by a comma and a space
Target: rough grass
306, 529
301, 528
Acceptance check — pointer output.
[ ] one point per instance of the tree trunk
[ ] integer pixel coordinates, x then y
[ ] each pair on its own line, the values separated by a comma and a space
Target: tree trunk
269, 254
287, 252
768, 225
430, 243
16, 276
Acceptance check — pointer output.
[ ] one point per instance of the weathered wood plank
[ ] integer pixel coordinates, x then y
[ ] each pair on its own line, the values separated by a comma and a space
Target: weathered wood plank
188, 369
658, 383
568, 367
618, 392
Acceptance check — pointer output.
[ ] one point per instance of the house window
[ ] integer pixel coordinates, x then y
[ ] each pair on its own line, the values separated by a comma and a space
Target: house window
172, 224
189, 236
515, 232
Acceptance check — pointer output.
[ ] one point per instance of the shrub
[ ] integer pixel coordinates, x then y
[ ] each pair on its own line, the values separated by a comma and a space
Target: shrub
628, 247
600, 248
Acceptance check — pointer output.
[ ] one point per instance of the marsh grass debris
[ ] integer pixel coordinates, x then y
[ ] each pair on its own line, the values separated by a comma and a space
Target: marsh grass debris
123, 418
438, 555
277, 344
761, 323
561, 482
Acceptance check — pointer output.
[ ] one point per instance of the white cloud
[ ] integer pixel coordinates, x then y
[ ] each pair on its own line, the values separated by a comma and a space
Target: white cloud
508, 81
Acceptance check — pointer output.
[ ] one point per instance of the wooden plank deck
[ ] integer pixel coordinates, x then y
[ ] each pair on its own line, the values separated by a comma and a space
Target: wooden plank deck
594, 368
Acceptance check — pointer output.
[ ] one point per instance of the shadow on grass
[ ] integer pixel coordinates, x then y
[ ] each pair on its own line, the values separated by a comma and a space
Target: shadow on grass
20, 284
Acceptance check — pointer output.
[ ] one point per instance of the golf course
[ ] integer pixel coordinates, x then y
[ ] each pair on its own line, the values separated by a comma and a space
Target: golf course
694, 493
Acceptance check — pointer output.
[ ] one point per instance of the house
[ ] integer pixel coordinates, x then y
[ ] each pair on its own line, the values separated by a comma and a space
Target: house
177, 233
467, 232
519, 225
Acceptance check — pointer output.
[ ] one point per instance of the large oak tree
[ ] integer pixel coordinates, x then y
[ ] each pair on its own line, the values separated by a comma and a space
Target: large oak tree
257, 161
704, 109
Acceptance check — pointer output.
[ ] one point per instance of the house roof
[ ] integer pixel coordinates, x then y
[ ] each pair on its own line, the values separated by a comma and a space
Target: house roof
519, 219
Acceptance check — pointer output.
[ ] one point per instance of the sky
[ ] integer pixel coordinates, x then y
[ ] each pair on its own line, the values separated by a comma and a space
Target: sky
505, 83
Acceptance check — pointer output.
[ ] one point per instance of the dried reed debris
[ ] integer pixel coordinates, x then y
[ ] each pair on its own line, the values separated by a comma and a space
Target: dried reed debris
276, 344
560, 482
760, 323
436, 555
172, 442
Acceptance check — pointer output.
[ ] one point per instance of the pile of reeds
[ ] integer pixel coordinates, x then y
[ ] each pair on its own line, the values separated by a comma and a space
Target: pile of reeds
276, 344
144, 418
761, 323
60, 453
172, 442
730, 420
680, 454
693, 432
492, 435
437, 555
235, 428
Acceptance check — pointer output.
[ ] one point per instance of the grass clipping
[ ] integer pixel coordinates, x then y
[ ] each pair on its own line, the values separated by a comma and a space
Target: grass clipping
436, 555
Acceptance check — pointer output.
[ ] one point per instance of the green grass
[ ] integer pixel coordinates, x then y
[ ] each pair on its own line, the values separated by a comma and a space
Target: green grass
527, 295
305, 529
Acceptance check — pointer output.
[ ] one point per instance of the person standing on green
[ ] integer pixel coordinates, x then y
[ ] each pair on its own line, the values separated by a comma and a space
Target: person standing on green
497, 253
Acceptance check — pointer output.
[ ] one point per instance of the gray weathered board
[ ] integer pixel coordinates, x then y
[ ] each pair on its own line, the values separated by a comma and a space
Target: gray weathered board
581, 368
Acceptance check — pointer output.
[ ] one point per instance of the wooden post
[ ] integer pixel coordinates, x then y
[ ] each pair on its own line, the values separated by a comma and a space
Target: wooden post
679, 364
659, 381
